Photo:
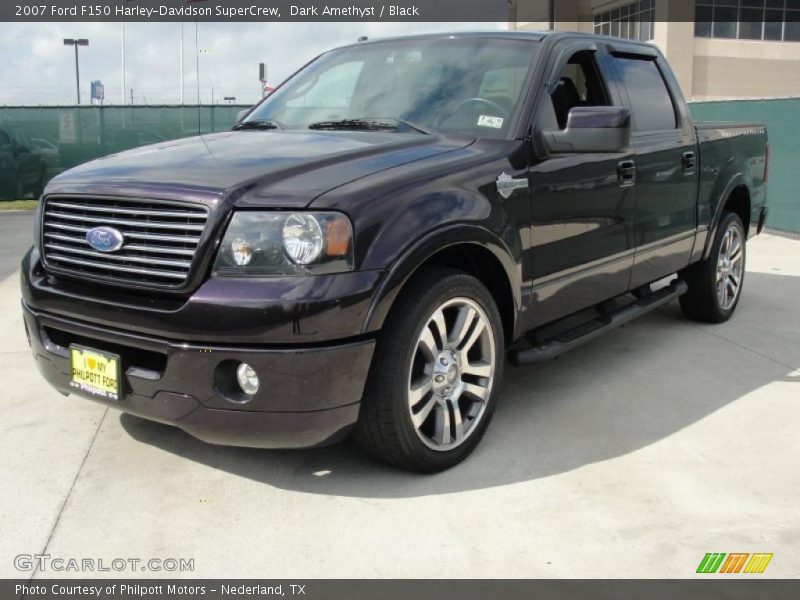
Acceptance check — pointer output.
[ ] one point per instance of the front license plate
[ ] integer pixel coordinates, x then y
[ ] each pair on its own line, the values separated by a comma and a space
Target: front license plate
95, 372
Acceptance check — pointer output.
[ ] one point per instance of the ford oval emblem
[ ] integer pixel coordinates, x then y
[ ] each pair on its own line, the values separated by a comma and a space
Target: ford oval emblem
105, 239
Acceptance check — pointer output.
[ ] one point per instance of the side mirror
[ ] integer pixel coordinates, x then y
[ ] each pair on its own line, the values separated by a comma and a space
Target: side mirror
242, 114
592, 129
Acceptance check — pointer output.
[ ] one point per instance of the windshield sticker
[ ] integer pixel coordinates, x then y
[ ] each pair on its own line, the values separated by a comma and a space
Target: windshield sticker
488, 121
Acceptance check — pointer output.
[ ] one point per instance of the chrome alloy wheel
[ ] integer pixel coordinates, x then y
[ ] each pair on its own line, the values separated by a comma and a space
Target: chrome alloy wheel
452, 374
730, 267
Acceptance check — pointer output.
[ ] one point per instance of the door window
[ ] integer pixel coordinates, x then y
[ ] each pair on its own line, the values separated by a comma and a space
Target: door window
651, 102
580, 84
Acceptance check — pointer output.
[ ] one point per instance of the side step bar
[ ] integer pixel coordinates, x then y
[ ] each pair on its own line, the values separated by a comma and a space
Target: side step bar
591, 329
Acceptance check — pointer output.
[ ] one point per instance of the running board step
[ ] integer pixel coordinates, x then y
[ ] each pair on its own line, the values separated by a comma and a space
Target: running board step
591, 329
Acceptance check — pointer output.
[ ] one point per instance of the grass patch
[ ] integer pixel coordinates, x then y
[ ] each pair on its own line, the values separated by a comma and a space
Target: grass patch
18, 204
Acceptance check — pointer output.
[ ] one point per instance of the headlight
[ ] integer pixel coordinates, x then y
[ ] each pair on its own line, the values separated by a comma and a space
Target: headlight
264, 244
302, 238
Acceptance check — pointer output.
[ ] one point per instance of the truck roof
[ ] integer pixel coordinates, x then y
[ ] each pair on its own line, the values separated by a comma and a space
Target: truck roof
503, 34
528, 35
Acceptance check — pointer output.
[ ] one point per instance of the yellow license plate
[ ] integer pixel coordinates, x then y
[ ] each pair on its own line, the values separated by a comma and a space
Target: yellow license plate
95, 372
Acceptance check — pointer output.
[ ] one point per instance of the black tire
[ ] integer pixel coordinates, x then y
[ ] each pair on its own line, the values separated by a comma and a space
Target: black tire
701, 302
385, 429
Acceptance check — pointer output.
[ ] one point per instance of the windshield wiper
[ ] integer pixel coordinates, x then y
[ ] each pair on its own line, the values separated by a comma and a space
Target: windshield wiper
368, 124
357, 124
256, 124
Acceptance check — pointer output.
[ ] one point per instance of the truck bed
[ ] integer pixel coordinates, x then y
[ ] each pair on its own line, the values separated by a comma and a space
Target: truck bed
730, 152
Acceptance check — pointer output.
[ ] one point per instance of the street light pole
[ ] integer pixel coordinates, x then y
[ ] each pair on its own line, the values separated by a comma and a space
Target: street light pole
124, 80
76, 43
183, 99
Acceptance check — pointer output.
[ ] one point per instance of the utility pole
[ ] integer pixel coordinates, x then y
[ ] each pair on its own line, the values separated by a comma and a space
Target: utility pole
124, 81
197, 65
183, 100
76, 43
262, 77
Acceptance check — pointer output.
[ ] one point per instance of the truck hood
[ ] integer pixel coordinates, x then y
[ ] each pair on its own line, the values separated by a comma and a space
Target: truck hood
266, 168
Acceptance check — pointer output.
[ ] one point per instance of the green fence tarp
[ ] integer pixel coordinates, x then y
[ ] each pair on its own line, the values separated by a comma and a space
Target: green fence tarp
782, 118
38, 142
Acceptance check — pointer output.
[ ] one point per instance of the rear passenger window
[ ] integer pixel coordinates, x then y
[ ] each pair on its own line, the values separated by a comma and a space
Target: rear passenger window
651, 103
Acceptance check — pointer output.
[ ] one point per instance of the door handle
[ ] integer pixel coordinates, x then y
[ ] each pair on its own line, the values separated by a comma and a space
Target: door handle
626, 173
688, 161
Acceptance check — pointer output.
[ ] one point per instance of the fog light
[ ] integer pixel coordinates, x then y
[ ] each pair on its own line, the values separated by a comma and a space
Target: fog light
247, 378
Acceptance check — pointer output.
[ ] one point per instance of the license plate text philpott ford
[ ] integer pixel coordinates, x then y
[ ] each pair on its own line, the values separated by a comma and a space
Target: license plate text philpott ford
95, 372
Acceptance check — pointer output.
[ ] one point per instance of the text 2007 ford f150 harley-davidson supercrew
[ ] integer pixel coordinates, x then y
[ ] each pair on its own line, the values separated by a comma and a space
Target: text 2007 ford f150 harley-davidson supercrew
367, 246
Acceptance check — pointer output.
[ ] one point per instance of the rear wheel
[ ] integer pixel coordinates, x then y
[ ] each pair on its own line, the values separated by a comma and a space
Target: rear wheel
715, 285
433, 382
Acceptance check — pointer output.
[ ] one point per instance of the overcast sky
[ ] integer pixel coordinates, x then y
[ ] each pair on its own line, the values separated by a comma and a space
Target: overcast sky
38, 69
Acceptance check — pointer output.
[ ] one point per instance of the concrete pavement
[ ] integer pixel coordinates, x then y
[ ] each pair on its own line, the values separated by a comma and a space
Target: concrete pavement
17, 235
630, 457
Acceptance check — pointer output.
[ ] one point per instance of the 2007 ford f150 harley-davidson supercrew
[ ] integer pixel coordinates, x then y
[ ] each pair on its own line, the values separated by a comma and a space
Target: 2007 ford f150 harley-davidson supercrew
366, 247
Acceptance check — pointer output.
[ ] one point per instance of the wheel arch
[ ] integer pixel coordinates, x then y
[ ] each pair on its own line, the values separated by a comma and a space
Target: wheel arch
468, 248
735, 198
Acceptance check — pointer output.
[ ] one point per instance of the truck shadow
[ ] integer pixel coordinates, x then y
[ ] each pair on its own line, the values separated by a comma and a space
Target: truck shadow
620, 393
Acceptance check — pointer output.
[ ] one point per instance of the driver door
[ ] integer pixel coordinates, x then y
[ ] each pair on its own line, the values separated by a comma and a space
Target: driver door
582, 209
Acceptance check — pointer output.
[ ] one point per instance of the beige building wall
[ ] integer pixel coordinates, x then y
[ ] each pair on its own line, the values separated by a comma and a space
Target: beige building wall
726, 69
706, 68
674, 35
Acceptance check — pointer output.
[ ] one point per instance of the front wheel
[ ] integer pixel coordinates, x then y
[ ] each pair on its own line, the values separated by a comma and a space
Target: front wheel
715, 285
434, 379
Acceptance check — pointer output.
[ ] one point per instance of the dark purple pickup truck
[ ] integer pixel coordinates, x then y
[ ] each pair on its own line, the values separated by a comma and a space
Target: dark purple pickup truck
367, 246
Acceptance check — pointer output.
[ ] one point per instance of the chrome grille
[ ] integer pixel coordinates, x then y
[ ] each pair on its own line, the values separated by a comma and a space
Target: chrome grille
160, 239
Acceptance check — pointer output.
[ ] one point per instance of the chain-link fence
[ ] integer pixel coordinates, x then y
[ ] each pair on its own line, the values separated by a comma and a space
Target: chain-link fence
37, 143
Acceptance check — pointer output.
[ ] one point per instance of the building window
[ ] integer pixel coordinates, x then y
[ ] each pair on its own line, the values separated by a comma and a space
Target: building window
771, 20
634, 21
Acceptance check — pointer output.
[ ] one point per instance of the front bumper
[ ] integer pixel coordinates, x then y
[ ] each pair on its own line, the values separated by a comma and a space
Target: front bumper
309, 396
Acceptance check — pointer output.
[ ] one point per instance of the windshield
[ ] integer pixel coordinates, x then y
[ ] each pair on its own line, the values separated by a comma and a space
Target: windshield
464, 85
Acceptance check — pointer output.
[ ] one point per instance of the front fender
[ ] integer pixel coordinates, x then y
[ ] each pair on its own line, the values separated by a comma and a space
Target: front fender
415, 255
403, 216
